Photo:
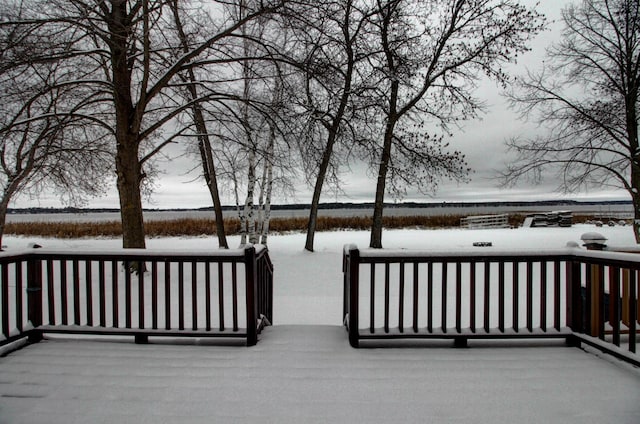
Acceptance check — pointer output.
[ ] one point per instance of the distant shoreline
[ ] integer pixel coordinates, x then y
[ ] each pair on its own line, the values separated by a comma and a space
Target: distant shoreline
345, 205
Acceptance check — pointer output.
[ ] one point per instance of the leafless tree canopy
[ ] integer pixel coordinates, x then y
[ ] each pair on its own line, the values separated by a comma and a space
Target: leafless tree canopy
52, 134
264, 87
585, 99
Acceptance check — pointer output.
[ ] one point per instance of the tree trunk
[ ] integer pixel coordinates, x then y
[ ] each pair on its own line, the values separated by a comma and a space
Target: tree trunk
4, 205
204, 144
129, 176
269, 186
312, 223
635, 197
378, 207
249, 209
317, 191
636, 219
128, 166
212, 184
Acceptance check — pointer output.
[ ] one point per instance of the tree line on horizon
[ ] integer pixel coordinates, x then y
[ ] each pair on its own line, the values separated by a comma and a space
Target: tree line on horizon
264, 93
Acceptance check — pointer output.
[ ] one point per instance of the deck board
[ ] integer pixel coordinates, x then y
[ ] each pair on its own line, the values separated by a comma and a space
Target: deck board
302, 374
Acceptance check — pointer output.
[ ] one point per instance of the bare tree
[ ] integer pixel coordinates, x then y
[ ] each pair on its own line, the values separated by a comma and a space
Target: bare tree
134, 63
431, 56
48, 138
586, 98
328, 48
201, 129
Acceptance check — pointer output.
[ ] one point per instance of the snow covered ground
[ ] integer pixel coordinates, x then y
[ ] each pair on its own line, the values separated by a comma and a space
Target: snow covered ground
308, 373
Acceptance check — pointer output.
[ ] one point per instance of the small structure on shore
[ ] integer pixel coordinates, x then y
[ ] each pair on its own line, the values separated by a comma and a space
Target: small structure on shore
549, 219
485, 221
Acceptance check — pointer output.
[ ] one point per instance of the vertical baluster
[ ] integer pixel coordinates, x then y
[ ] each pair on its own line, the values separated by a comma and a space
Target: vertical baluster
501, 297
207, 299
18, 295
600, 301
5, 300
430, 297
445, 289
575, 308
458, 297
234, 288
472, 296
154, 294
401, 300
270, 291
141, 268
115, 294
127, 294
543, 295
614, 303
372, 306
64, 292
587, 309
634, 300
386, 297
415, 297
487, 296
352, 267
167, 294
556, 295
516, 295
250, 287
529, 296
259, 288
221, 295
194, 295
89, 288
103, 294
51, 292
181, 295
35, 297
624, 311
76, 291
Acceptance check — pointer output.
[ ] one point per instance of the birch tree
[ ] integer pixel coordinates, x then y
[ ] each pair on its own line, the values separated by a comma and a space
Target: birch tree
585, 99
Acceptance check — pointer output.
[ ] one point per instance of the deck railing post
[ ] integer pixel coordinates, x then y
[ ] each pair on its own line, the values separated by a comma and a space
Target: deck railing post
34, 297
345, 286
353, 268
251, 293
574, 300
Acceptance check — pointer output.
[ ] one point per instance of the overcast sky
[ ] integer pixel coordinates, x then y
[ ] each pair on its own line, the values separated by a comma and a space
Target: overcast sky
482, 141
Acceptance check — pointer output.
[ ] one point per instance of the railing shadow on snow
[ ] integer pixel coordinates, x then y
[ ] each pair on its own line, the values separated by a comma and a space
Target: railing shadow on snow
226, 294
461, 295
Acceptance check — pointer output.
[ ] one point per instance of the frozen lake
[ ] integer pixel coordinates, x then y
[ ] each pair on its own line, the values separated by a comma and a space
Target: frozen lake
620, 210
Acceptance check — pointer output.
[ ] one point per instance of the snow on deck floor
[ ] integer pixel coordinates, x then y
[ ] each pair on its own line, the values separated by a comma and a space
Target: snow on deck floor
301, 374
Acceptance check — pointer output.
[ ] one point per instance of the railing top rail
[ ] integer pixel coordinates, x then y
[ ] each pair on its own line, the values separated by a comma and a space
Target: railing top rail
231, 255
631, 260
396, 255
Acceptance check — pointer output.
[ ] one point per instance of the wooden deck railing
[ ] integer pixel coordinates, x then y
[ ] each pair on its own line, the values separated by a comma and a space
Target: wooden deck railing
221, 294
472, 295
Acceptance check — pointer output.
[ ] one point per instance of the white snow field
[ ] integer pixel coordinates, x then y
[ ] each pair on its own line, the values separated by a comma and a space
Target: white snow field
303, 369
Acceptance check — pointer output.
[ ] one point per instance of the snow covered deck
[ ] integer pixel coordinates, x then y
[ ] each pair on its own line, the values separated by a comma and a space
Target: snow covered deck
302, 374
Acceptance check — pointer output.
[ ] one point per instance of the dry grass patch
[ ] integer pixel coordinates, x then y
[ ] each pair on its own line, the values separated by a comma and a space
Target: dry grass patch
207, 227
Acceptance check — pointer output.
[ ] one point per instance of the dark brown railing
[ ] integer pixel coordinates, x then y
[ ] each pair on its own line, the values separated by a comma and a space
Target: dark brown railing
221, 294
472, 295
